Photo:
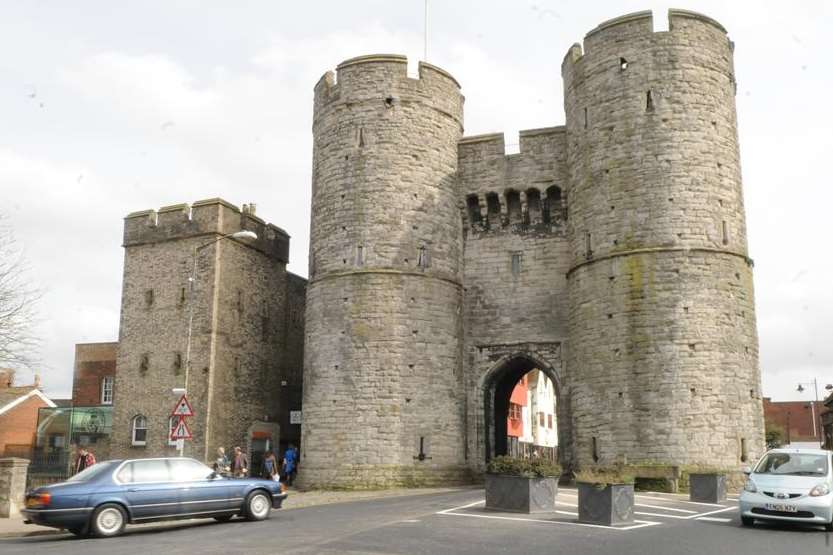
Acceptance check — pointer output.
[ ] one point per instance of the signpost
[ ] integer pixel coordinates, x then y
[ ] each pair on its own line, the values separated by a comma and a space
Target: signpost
180, 431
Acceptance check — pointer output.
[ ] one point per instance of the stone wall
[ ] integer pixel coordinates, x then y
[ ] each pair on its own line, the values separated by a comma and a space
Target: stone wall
12, 486
239, 329
663, 357
516, 261
383, 320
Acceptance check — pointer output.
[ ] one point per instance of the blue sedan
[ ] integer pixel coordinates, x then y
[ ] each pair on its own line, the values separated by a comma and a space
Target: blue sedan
102, 499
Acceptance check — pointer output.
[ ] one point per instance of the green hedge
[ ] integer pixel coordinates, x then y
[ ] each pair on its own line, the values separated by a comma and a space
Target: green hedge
527, 468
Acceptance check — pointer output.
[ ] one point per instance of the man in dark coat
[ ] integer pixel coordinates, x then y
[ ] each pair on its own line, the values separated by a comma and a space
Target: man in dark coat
239, 463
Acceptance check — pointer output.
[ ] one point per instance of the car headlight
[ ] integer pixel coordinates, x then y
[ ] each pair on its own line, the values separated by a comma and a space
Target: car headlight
819, 490
750, 486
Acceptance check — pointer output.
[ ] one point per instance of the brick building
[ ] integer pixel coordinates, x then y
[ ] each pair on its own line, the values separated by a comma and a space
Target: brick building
94, 374
19, 407
796, 419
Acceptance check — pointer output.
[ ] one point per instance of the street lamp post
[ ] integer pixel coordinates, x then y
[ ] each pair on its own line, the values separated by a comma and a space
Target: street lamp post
813, 404
244, 234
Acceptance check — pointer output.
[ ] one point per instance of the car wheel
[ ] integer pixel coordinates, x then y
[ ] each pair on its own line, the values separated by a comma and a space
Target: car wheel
79, 531
258, 505
747, 520
108, 520
223, 518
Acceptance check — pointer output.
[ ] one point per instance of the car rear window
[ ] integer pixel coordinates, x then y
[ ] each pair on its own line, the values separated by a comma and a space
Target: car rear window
91, 472
793, 464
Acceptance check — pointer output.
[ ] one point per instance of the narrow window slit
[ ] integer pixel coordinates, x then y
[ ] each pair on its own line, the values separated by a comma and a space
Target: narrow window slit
649, 101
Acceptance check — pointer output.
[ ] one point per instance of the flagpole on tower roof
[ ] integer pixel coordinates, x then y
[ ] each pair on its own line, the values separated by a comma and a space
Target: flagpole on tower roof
425, 34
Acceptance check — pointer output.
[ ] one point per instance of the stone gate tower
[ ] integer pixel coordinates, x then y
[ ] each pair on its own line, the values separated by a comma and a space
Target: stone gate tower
662, 349
384, 327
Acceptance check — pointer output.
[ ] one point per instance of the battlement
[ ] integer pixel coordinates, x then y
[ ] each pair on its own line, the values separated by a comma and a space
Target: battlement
210, 217
494, 144
639, 26
384, 78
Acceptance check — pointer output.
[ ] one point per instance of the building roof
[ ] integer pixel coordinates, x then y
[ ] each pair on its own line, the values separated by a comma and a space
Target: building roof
10, 397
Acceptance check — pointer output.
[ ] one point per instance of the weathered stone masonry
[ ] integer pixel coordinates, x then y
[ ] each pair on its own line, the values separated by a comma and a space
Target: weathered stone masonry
247, 330
610, 252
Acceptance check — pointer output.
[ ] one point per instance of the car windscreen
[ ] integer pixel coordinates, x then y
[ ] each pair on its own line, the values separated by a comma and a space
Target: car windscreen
793, 464
92, 472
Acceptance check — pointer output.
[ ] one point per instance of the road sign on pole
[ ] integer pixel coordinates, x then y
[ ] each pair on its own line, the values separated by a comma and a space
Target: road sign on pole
183, 408
181, 430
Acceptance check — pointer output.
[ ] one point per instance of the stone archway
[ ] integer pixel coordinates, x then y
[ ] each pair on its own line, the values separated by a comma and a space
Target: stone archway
496, 389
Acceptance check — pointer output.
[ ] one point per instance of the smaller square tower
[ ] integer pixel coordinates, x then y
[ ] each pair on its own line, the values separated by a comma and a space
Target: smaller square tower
246, 340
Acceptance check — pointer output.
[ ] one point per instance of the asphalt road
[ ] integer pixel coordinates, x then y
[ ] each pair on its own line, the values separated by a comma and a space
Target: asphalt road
452, 523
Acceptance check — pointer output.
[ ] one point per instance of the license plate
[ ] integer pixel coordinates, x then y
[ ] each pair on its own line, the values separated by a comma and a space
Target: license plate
782, 507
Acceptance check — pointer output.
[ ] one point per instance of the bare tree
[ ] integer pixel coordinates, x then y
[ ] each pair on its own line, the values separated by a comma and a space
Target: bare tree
18, 299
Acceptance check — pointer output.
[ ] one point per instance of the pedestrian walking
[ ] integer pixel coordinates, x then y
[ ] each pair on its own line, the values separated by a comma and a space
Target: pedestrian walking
239, 463
270, 466
221, 463
290, 464
85, 460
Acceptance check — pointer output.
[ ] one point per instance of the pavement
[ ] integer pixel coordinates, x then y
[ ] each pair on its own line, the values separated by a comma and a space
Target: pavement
450, 521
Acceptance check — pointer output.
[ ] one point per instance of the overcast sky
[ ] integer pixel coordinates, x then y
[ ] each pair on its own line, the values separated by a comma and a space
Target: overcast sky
112, 107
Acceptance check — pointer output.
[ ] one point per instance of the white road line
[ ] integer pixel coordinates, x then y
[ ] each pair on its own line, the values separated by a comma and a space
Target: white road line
715, 519
461, 507
717, 511
638, 523
680, 517
678, 500
665, 508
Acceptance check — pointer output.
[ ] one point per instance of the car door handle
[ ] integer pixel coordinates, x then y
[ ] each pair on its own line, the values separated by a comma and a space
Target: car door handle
132, 490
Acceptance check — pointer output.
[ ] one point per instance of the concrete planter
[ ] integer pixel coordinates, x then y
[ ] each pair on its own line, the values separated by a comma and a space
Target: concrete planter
610, 505
518, 494
707, 488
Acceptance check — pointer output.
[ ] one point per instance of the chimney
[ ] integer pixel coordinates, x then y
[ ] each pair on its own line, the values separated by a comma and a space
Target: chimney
37, 381
6, 378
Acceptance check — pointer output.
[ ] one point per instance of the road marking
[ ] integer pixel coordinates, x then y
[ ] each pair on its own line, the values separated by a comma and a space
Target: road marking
717, 511
715, 519
665, 508
637, 523
678, 500
409, 521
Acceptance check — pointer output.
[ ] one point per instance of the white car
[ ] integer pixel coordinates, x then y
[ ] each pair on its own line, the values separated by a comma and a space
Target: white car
790, 485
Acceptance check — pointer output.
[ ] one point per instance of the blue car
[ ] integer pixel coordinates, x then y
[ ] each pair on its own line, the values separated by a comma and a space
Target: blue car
105, 497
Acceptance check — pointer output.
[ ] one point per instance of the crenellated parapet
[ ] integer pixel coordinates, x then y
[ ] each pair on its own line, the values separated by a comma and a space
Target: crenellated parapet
383, 79
209, 218
518, 192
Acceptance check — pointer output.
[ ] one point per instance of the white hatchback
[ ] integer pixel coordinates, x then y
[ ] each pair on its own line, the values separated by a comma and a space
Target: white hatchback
790, 485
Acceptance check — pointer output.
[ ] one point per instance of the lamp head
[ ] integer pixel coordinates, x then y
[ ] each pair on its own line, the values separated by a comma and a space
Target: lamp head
244, 234
800, 388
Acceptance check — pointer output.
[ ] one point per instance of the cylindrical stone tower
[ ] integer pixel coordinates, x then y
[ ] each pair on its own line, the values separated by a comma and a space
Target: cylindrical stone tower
663, 349
383, 396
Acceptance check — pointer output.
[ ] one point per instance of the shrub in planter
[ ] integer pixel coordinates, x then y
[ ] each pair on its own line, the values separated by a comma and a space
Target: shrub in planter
521, 485
707, 484
605, 497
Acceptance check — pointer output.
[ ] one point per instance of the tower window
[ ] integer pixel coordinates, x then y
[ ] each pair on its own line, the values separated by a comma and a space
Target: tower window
144, 363
473, 206
585, 118
588, 245
649, 101
422, 257
516, 264
177, 365
359, 255
623, 64
149, 298
595, 449
725, 230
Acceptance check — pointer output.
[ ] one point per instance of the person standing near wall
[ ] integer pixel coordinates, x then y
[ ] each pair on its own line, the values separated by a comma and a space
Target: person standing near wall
85, 460
239, 463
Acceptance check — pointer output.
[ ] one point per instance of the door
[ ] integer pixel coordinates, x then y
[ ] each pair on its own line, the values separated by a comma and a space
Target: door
149, 489
199, 492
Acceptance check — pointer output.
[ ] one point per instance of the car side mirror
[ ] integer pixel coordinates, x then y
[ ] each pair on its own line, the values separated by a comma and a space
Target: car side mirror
747, 470
213, 475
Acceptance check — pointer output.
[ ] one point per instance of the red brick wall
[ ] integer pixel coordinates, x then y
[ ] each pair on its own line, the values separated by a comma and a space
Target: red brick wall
19, 425
795, 418
93, 361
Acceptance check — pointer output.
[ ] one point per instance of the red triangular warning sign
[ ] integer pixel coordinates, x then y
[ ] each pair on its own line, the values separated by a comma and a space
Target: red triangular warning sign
183, 408
181, 430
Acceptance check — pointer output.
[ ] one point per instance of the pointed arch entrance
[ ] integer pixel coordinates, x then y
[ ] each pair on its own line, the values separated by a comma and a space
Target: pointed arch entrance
497, 387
